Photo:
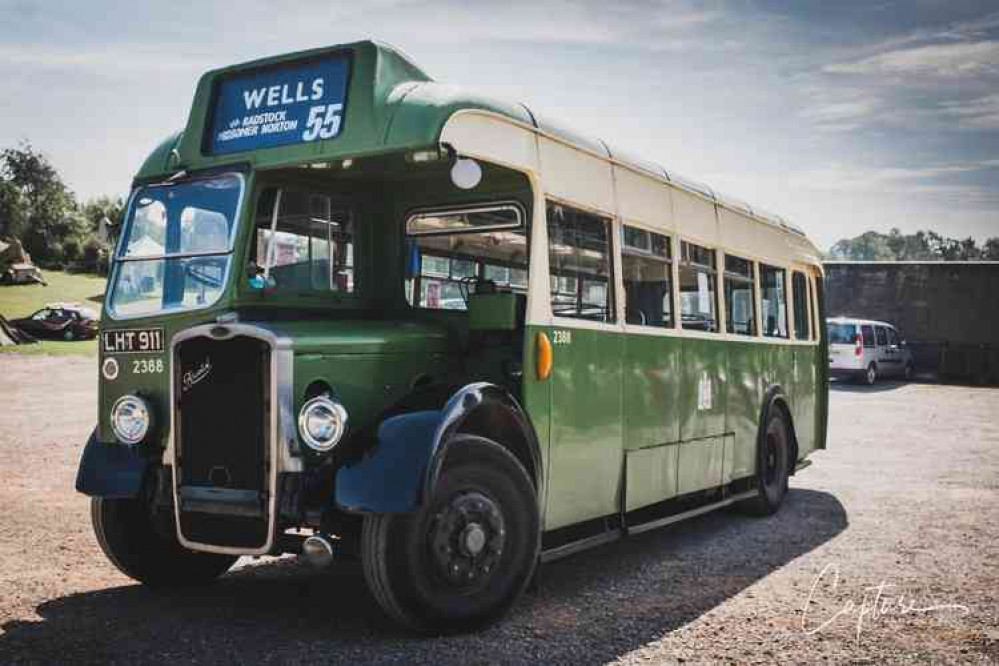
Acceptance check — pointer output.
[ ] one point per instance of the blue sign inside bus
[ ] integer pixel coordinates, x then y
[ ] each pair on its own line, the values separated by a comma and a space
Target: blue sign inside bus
297, 103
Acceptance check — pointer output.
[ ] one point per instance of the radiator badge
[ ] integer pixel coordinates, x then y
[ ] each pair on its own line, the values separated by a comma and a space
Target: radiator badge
192, 377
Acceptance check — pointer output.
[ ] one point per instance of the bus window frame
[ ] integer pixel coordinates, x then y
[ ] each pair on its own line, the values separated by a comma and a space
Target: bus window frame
309, 189
615, 309
426, 211
670, 260
786, 289
754, 296
806, 300
715, 276
524, 224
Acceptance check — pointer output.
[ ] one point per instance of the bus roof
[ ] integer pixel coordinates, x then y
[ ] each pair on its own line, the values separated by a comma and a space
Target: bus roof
394, 106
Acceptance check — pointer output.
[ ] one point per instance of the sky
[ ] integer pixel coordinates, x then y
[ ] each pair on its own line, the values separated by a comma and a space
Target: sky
841, 115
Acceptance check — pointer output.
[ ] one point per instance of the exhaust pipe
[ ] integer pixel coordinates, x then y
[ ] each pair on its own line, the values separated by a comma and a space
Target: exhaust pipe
319, 550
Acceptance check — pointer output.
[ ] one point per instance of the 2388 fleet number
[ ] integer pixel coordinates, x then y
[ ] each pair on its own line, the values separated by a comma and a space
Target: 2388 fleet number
147, 366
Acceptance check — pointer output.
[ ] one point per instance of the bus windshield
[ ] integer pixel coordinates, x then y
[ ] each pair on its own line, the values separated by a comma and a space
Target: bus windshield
176, 246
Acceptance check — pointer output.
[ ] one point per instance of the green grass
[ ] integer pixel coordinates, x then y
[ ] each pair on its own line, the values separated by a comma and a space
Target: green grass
22, 300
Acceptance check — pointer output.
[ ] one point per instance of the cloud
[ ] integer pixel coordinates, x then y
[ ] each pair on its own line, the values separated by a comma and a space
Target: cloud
962, 59
938, 183
104, 58
979, 113
840, 110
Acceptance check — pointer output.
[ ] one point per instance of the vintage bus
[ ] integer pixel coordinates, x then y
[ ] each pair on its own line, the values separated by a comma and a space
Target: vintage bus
357, 313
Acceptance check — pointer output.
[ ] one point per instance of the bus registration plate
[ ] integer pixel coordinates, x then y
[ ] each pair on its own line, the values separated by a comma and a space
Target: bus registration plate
129, 341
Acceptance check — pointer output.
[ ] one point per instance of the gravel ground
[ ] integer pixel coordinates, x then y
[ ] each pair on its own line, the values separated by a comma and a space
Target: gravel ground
906, 500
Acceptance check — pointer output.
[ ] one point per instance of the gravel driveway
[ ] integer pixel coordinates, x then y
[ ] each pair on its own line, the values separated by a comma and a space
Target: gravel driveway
891, 540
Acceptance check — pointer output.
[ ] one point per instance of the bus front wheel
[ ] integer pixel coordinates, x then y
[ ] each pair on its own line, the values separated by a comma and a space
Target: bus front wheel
127, 533
462, 560
773, 465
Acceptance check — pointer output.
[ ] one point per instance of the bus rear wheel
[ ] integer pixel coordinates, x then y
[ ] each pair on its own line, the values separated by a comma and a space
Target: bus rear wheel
129, 537
773, 465
464, 558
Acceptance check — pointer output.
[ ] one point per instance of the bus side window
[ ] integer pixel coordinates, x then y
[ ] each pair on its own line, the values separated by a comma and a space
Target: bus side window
698, 297
774, 301
579, 259
648, 284
740, 296
801, 322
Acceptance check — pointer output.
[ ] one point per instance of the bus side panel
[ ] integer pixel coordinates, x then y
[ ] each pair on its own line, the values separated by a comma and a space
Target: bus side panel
651, 418
536, 400
803, 402
702, 413
822, 367
746, 361
584, 479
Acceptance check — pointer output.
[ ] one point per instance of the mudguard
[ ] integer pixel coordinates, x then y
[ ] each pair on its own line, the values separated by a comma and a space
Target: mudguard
110, 470
400, 471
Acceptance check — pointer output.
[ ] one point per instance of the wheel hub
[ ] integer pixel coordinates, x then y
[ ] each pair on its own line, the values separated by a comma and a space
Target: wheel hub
466, 539
473, 539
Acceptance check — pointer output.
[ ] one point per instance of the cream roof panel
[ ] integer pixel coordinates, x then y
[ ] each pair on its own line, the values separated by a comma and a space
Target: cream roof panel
477, 134
641, 198
576, 176
694, 217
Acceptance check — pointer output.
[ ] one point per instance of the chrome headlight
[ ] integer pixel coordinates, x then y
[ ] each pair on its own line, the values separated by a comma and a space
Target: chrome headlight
131, 419
322, 423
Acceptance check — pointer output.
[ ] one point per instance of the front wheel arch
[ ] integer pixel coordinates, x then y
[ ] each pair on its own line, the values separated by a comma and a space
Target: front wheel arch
775, 398
410, 449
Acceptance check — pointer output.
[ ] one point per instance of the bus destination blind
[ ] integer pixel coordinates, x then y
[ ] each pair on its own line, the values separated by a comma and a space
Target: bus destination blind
297, 103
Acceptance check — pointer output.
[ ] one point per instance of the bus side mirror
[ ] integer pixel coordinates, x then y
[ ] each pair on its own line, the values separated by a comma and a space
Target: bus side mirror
492, 312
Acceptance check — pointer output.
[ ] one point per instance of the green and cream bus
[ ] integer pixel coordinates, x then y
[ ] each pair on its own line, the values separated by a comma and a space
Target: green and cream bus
357, 313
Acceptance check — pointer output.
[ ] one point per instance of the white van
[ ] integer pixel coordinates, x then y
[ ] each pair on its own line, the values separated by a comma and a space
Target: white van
865, 349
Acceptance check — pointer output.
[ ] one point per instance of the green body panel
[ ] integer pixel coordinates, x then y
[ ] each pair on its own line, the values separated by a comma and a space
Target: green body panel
746, 386
536, 399
651, 391
703, 398
688, 420
492, 312
586, 444
347, 336
365, 383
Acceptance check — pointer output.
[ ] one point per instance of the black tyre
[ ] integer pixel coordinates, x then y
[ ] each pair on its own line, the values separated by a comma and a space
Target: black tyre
462, 560
871, 375
909, 371
772, 465
150, 554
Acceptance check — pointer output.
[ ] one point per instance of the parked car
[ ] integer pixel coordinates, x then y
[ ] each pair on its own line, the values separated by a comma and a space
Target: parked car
865, 350
21, 273
60, 321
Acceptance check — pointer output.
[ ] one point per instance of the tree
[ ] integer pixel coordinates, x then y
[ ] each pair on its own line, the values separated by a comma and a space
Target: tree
990, 250
920, 246
104, 207
13, 209
47, 208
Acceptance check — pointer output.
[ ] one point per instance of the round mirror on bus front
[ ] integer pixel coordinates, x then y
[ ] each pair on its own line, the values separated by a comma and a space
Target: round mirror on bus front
466, 173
